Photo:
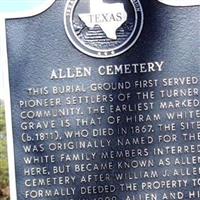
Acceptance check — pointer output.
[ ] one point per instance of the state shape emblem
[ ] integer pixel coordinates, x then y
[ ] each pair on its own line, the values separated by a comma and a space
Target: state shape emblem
102, 28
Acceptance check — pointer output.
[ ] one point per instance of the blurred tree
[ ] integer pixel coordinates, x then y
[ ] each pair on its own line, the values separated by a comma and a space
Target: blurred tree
3, 150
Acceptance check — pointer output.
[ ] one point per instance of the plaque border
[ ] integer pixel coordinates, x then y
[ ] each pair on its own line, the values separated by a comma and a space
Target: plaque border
6, 82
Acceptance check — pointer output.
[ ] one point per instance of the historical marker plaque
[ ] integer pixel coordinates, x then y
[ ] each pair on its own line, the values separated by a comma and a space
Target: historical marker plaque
105, 101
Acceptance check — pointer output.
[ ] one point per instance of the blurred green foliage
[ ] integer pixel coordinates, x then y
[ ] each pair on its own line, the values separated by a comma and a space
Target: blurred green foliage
2, 118
3, 150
